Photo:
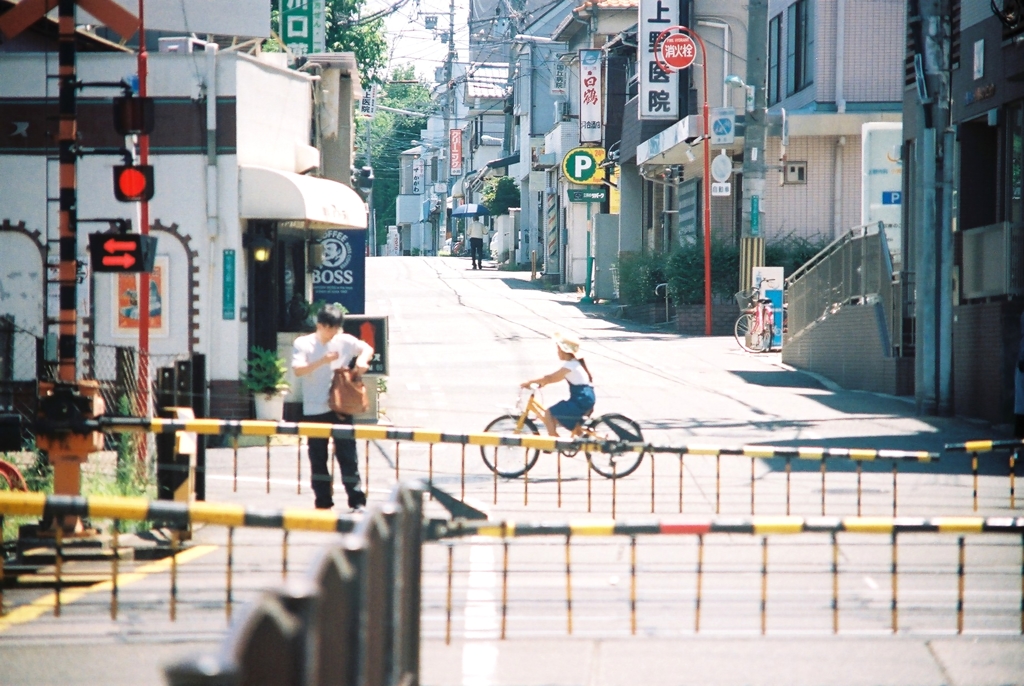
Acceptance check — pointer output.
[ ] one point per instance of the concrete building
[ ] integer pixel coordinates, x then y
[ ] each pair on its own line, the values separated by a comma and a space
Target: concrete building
233, 164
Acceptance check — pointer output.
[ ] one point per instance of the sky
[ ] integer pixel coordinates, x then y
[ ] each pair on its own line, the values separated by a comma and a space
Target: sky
411, 42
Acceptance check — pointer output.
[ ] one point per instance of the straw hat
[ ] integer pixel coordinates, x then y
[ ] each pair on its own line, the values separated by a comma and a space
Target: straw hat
567, 343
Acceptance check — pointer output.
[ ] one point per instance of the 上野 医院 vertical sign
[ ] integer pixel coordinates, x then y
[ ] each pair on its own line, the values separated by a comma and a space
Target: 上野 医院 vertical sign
659, 89
341, 276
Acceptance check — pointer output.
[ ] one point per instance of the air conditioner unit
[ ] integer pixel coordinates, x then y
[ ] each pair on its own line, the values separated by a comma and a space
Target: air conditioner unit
180, 44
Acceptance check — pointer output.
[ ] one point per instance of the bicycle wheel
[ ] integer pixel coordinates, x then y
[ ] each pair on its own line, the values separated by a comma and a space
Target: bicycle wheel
744, 333
614, 427
510, 461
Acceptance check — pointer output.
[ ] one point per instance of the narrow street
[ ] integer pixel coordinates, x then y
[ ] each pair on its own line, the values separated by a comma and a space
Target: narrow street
461, 341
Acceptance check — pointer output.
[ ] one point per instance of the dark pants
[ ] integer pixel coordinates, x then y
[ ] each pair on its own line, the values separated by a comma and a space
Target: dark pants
345, 452
476, 251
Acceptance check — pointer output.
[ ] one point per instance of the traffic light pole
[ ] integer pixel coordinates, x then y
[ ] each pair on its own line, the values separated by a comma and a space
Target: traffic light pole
142, 408
67, 322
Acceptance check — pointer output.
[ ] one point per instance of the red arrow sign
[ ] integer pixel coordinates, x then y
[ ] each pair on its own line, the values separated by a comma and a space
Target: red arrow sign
114, 245
123, 261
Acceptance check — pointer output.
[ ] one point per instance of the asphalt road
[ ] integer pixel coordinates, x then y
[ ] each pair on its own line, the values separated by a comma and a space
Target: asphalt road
460, 343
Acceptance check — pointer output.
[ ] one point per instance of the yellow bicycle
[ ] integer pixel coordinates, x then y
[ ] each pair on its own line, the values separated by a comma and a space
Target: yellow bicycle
511, 462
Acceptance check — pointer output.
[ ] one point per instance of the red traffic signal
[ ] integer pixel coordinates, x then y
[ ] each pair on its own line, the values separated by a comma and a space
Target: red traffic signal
122, 252
133, 183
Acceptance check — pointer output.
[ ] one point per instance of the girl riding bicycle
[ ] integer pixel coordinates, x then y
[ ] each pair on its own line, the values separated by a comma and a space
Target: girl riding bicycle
569, 413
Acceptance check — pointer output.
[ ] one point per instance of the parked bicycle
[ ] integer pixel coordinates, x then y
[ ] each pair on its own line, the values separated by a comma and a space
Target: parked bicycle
755, 327
511, 462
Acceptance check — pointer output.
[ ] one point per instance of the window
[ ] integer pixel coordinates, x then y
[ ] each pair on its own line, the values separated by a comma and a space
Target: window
795, 172
774, 59
799, 47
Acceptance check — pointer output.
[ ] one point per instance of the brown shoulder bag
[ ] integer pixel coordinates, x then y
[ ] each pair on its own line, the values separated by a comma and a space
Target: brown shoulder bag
348, 393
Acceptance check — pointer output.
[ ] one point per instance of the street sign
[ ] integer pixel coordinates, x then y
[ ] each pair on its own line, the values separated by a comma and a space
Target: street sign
122, 253
721, 189
677, 51
755, 216
372, 330
723, 125
721, 167
892, 197
303, 29
588, 195
228, 285
583, 165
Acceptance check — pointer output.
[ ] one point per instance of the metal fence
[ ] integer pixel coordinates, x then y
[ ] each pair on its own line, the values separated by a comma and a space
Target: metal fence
855, 268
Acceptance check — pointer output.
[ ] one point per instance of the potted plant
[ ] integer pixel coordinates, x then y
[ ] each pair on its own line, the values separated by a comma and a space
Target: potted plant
266, 379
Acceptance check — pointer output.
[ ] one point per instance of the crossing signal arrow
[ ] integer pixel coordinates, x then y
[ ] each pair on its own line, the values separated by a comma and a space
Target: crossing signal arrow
114, 245
122, 253
124, 261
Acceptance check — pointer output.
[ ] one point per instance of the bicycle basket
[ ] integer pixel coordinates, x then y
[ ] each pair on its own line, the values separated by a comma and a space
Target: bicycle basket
748, 298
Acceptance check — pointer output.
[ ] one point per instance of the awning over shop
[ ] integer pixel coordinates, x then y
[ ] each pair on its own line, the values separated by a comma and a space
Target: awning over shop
273, 194
503, 162
670, 146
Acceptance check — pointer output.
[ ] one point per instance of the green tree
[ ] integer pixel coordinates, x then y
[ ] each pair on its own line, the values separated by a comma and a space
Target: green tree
390, 134
499, 194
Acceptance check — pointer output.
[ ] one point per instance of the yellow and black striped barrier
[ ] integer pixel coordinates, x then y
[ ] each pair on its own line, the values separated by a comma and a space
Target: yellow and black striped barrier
245, 427
989, 446
891, 528
985, 446
441, 529
174, 514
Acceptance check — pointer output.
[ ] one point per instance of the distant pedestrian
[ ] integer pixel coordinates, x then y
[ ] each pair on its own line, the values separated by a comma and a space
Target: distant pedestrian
1018, 386
477, 231
314, 359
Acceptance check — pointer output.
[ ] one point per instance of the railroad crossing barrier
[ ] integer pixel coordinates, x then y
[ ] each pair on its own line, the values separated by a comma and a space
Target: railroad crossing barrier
555, 447
1012, 446
178, 516
570, 535
355, 617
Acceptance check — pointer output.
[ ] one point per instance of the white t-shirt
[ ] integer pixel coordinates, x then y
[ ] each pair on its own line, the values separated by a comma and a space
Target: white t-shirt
316, 386
577, 375
476, 230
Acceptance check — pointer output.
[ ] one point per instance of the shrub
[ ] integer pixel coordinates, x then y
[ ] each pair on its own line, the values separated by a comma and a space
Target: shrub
639, 273
791, 252
684, 271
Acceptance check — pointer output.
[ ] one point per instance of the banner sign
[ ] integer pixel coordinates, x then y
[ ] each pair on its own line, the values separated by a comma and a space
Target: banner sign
591, 90
417, 176
341, 277
560, 79
455, 150
659, 90
302, 26
228, 285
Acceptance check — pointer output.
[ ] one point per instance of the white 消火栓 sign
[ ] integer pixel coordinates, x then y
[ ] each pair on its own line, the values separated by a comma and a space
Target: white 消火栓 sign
659, 90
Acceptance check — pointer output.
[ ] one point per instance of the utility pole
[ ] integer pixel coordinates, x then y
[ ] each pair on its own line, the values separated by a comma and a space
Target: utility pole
932, 230
450, 112
754, 140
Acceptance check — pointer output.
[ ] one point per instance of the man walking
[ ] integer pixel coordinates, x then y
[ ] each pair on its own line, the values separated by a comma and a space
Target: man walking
476, 232
314, 359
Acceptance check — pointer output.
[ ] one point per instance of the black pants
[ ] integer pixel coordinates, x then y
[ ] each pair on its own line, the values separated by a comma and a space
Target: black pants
345, 452
476, 251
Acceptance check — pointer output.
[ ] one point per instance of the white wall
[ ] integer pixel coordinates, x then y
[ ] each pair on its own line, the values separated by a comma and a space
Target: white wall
274, 113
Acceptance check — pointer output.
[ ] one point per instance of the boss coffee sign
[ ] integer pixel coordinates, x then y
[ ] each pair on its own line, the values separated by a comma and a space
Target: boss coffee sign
341, 276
